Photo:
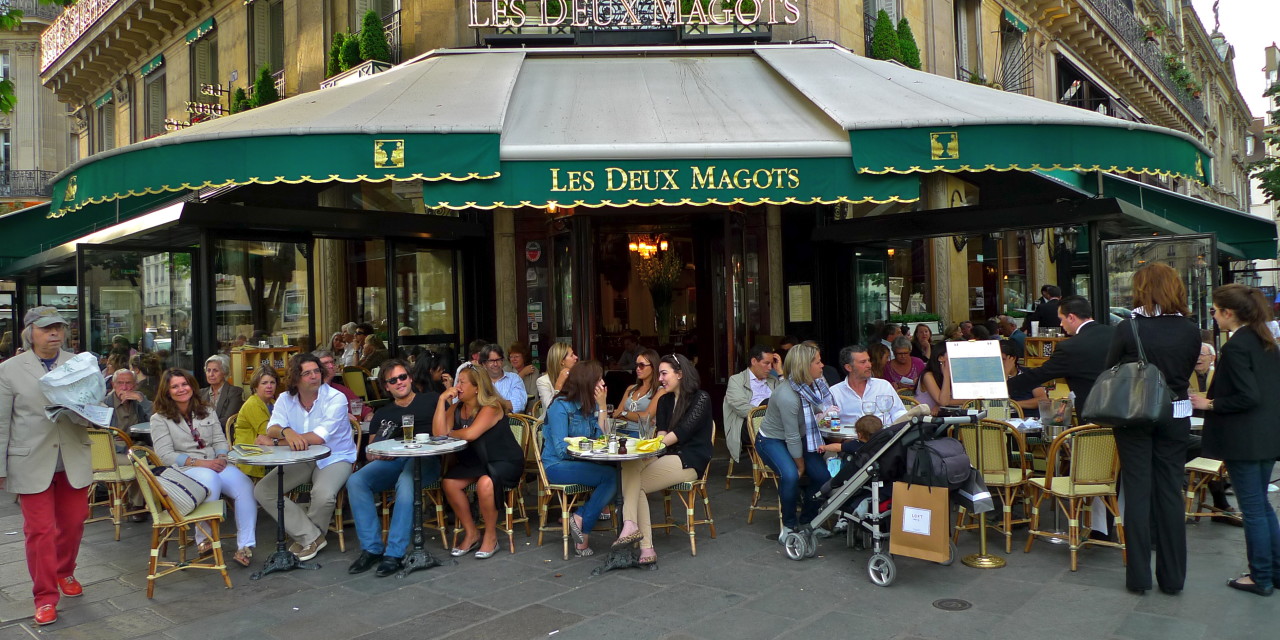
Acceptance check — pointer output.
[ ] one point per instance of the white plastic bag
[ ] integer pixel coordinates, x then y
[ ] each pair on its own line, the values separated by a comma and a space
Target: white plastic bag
76, 381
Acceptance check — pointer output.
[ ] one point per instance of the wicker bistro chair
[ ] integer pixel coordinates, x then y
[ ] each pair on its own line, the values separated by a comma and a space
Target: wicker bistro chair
512, 500
748, 453
1200, 472
114, 473
566, 495
166, 523
998, 409
1092, 470
529, 422
908, 401
357, 380
689, 494
1004, 478
761, 472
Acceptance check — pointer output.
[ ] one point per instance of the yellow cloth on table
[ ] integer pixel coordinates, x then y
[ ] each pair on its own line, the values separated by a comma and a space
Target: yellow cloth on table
575, 443
652, 444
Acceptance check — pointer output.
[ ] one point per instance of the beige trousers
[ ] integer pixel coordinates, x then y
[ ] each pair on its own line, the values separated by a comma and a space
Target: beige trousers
642, 477
304, 526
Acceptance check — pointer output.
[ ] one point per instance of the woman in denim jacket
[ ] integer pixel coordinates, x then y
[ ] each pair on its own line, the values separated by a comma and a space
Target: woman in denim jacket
578, 411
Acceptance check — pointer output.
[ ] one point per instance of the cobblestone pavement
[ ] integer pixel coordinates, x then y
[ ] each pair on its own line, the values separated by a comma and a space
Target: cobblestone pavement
740, 585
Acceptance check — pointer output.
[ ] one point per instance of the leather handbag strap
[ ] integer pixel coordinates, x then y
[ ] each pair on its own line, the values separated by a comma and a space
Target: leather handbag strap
1133, 324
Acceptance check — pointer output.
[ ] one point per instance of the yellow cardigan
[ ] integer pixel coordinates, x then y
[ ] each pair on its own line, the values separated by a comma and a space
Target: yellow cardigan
251, 422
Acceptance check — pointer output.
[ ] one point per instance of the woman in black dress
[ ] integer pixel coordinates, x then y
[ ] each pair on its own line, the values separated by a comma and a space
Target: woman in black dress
1152, 455
493, 459
1240, 425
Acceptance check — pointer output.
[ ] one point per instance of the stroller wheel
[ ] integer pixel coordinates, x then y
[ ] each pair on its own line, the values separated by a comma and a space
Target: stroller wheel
811, 546
881, 570
794, 544
851, 537
951, 547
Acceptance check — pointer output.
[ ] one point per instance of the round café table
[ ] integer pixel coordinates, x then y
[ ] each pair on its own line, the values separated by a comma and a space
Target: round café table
419, 557
845, 432
278, 457
621, 558
140, 429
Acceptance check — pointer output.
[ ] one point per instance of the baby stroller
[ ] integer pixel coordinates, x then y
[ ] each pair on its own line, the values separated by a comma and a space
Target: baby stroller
858, 496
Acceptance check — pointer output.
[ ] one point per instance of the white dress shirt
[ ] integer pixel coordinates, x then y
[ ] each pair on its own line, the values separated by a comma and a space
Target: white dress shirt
327, 418
850, 402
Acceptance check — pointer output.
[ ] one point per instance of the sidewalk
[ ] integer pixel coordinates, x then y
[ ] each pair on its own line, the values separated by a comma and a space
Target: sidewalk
740, 585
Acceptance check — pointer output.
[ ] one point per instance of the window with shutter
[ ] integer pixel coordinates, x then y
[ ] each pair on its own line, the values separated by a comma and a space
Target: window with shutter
157, 105
277, 36
4, 151
107, 130
204, 67
890, 7
259, 36
358, 9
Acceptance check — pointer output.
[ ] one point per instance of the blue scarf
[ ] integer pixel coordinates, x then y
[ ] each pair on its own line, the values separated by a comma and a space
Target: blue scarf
818, 397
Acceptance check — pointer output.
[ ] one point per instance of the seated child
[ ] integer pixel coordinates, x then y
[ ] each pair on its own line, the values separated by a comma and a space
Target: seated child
866, 426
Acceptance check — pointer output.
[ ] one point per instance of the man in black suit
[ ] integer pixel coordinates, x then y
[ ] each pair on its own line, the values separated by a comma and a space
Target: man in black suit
1079, 359
1046, 312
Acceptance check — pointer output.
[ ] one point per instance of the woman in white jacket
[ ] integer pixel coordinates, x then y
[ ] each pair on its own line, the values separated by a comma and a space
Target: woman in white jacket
187, 435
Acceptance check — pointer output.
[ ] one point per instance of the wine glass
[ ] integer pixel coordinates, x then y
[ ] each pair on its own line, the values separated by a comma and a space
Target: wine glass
868, 407
885, 405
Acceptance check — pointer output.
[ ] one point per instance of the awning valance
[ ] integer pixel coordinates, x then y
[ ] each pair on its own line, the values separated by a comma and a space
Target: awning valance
152, 65
103, 99
200, 30
1015, 21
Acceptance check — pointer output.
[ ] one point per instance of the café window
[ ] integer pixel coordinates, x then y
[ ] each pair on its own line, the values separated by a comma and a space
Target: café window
4, 65
262, 292
266, 36
5, 151
104, 124
156, 98
909, 275
204, 66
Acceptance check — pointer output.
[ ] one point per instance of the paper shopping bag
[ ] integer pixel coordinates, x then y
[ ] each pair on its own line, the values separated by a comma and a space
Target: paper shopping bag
921, 518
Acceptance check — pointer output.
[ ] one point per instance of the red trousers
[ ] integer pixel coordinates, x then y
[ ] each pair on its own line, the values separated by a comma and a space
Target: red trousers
53, 523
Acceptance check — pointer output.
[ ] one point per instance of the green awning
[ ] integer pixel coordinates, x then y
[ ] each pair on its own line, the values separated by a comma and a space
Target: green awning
1013, 20
1027, 147
140, 169
621, 183
106, 97
151, 66
200, 31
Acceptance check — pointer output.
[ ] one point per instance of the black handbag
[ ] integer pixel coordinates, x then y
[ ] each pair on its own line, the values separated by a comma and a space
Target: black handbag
1129, 394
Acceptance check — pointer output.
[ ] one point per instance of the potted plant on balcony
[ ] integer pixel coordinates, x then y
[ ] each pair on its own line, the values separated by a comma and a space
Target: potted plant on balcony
1154, 30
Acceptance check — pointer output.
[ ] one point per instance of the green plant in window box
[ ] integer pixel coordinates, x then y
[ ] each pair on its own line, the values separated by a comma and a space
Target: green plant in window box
660, 274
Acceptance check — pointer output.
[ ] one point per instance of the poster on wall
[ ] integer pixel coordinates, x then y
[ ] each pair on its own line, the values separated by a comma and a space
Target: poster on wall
799, 303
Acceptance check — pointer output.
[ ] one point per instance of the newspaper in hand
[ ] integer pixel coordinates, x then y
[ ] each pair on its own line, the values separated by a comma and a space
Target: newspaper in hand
95, 414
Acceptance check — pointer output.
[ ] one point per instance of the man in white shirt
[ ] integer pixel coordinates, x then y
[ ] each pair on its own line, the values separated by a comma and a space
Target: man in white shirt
748, 388
861, 386
889, 333
508, 385
310, 412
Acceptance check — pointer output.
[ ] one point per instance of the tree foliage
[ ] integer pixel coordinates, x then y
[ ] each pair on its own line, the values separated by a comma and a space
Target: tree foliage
884, 40
373, 39
351, 52
907, 44
264, 88
333, 64
240, 101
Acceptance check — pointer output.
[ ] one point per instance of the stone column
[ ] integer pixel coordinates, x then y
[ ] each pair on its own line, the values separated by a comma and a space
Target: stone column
328, 291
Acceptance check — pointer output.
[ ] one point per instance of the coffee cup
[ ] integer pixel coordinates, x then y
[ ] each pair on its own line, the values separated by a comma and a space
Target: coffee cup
422, 438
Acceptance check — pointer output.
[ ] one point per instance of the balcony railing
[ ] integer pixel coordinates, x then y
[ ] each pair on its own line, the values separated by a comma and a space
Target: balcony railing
1123, 22
26, 183
31, 9
279, 82
69, 26
391, 26
868, 31
1106, 105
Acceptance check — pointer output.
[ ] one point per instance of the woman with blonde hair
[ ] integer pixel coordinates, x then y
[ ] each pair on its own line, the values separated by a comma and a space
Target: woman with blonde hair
1152, 455
254, 414
560, 359
493, 460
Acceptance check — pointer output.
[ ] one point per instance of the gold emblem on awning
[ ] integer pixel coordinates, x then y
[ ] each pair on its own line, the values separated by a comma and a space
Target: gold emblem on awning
1199, 166
945, 145
70, 193
388, 154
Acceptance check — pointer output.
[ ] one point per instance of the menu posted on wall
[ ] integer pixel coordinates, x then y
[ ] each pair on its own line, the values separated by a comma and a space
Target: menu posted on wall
799, 303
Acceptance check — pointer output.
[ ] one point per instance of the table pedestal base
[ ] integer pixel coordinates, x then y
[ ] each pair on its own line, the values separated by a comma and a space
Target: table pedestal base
419, 559
283, 561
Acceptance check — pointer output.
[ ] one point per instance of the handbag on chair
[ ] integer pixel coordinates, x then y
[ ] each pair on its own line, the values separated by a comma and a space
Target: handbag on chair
1129, 394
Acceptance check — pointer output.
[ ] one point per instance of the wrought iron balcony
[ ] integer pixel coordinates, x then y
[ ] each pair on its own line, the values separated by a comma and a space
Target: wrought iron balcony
1121, 20
26, 183
31, 9
69, 26
279, 82
391, 26
1106, 105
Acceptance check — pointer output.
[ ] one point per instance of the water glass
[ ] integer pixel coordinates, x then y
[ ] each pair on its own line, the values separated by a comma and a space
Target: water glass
869, 407
406, 424
646, 426
357, 407
885, 405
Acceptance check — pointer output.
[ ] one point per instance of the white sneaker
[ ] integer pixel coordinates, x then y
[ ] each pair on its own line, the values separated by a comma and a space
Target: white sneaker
841, 526
821, 532
783, 534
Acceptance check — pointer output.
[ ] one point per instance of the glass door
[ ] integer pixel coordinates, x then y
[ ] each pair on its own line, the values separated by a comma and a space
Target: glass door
425, 301
872, 297
1192, 256
138, 301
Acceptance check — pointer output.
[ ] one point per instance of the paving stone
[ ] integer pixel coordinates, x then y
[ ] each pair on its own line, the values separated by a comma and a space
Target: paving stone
124, 625
16, 632
533, 621
1144, 626
741, 622
684, 603
602, 597
240, 623
441, 623
612, 627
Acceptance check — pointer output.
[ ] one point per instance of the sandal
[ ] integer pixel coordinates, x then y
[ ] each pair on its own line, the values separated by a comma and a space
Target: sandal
205, 547
575, 529
647, 557
244, 556
629, 539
